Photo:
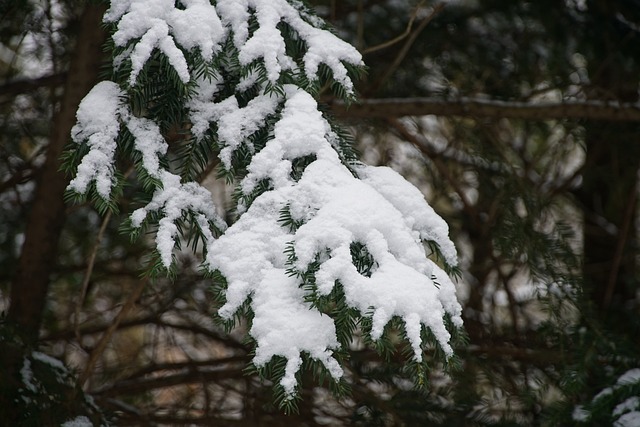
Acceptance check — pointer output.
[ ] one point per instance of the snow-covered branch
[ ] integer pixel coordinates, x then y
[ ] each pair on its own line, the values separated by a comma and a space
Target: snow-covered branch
313, 227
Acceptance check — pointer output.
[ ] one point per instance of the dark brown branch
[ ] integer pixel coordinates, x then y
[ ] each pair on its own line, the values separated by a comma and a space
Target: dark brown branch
154, 368
145, 320
189, 377
9, 90
176, 420
484, 108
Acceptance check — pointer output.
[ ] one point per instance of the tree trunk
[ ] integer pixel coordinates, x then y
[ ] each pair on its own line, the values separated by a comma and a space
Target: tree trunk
47, 215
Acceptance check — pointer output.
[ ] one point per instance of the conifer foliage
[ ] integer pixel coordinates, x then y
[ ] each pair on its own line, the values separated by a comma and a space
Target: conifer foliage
323, 248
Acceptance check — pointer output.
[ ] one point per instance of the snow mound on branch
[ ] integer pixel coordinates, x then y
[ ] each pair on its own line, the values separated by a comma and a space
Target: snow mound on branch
267, 42
158, 24
336, 209
251, 257
346, 210
98, 124
416, 212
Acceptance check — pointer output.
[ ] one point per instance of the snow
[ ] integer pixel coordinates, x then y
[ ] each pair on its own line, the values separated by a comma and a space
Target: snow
416, 212
630, 419
80, 421
626, 412
158, 24
98, 124
173, 200
580, 414
314, 332
149, 142
44, 358
604, 392
99, 117
27, 376
236, 124
632, 376
628, 405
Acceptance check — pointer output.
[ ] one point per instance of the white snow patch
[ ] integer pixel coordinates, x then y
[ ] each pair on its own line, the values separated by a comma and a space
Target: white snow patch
158, 24
80, 421
416, 212
632, 376
630, 419
285, 325
580, 414
27, 376
98, 124
99, 117
628, 405
44, 358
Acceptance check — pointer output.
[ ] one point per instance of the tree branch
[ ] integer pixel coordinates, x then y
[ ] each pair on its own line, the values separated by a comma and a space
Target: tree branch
485, 108
9, 90
190, 376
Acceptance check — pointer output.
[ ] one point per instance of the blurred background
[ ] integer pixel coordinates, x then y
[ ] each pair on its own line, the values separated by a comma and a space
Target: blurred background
520, 122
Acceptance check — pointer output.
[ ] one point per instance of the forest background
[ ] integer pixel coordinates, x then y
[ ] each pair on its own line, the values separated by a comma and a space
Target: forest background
518, 120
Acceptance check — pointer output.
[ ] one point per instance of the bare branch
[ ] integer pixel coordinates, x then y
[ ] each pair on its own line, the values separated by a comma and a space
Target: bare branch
475, 107
399, 38
106, 337
11, 89
405, 48
190, 376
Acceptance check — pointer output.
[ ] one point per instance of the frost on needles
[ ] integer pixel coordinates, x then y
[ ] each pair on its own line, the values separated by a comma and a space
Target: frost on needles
324, 248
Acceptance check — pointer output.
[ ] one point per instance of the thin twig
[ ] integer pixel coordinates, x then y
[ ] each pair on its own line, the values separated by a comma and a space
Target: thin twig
90, 265
405, 48
104, 340
622, 240
360, 28
442, 169
87, 275
399, 38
